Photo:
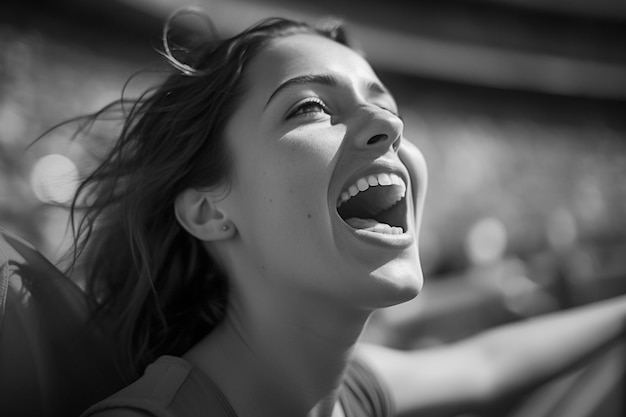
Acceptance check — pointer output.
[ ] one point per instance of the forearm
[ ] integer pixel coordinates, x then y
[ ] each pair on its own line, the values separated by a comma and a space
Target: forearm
524, 354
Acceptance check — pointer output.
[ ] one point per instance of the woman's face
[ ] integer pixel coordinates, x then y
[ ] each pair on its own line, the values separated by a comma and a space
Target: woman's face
326, 195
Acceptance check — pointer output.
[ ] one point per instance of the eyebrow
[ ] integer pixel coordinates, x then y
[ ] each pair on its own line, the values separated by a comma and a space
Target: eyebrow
323, 79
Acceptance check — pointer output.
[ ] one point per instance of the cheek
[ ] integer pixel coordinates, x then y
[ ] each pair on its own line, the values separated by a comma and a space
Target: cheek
283, 189
295, 165
283, 181
292, 194
303, 167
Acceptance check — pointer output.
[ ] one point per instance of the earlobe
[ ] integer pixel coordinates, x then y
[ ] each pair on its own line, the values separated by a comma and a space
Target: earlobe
198, 214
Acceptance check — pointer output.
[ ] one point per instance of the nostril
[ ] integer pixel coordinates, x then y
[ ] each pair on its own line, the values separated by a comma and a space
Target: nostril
396, 145
377, 138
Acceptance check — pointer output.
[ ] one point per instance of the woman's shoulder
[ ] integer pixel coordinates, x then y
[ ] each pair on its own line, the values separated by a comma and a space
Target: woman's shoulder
169, 387
172, 387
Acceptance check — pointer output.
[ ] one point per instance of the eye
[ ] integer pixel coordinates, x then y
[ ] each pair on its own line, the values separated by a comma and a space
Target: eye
310, 106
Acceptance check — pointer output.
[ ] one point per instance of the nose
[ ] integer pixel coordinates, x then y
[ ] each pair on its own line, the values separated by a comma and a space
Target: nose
377, 129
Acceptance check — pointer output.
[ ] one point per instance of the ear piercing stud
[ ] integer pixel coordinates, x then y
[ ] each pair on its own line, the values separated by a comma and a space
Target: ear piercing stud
225, 228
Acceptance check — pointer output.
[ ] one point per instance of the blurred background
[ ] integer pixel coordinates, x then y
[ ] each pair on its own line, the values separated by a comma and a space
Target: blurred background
518, 106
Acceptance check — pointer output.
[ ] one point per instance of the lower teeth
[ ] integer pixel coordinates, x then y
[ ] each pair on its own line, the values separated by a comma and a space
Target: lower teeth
374, 226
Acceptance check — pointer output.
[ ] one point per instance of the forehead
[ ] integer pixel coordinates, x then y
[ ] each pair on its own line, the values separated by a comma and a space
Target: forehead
305, 54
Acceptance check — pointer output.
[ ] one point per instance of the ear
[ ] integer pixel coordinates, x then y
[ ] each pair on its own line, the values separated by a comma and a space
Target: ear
197, 213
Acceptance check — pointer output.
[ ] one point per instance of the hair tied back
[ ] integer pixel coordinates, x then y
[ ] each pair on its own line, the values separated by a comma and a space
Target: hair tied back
185, 29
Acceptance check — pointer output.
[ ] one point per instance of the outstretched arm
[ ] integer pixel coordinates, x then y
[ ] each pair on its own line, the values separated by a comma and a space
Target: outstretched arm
502, 361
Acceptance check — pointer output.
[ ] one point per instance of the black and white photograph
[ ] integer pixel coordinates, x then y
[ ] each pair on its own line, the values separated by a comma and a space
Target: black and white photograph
339, 208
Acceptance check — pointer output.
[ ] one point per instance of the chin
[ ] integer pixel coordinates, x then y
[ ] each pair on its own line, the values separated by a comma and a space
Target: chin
400, 285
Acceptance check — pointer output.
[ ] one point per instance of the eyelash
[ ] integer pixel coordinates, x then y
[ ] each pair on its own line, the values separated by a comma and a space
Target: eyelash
312, 101
322, 105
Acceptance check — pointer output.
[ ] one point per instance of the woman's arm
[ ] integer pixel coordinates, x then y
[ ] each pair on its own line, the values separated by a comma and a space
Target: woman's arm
498, 362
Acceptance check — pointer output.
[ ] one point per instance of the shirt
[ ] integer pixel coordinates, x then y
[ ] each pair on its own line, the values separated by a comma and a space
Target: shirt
172, 387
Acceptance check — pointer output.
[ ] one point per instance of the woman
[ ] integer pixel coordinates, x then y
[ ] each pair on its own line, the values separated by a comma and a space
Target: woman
257, 207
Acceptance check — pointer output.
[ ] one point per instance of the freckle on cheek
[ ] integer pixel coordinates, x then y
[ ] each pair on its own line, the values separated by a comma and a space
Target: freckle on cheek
309, 215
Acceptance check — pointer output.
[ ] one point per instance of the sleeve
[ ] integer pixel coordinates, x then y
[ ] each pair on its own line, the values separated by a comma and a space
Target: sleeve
170, 387
154, 394
364, 394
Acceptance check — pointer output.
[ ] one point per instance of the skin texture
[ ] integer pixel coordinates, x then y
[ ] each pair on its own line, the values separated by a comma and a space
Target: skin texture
290, 171
303, 282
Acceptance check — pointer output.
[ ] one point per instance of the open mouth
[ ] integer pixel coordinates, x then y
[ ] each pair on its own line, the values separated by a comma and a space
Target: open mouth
375, 203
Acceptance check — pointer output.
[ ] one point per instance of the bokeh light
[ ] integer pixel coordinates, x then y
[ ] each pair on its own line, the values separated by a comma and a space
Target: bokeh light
54, 179
486, 241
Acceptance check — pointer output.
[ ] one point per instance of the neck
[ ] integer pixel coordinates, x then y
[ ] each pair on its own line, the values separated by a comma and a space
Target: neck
280, 358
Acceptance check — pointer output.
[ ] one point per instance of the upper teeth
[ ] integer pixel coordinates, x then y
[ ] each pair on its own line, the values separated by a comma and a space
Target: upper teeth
374, 180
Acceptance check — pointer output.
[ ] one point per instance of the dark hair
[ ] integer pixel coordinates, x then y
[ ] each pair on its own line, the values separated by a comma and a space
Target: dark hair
154, 285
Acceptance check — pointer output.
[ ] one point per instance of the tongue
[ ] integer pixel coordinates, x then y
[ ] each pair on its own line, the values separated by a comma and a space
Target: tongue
373, 226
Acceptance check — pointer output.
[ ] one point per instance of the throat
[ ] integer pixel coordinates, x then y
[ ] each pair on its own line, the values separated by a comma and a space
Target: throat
306, 362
